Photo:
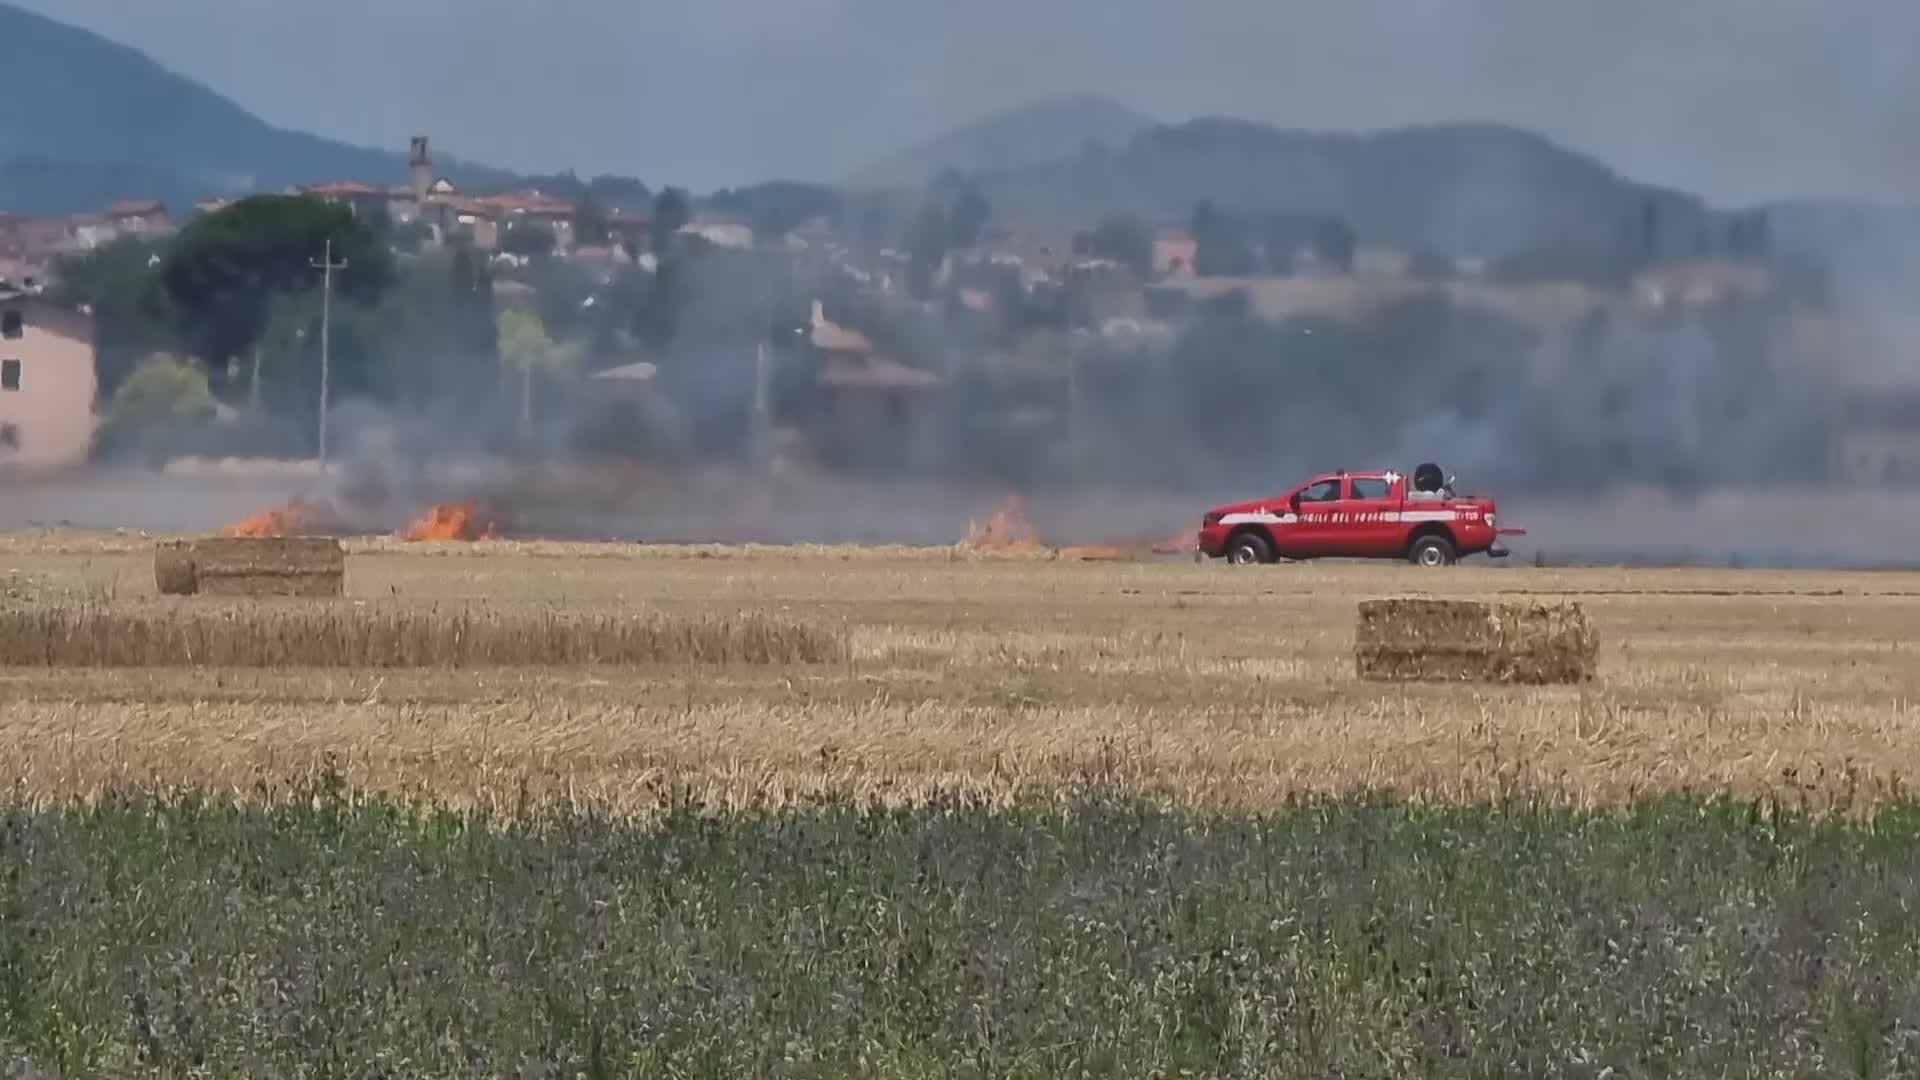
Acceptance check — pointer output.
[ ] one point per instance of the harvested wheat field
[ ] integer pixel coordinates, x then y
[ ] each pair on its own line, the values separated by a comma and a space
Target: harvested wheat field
552, 809
606, 674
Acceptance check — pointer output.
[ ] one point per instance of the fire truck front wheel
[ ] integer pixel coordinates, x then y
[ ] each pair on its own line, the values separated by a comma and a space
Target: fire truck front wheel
1249, 547
1432, 550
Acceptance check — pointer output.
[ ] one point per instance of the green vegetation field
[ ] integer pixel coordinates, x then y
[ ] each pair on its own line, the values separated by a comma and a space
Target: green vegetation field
847, 812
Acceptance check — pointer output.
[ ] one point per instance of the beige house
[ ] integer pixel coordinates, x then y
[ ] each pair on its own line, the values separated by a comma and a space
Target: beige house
720, 231
1174, 251
46, 384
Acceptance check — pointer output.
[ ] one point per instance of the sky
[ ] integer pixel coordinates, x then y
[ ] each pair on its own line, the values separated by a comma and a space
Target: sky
1740, 100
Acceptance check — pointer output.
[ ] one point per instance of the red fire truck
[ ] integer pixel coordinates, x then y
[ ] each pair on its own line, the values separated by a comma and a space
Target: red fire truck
1363, 515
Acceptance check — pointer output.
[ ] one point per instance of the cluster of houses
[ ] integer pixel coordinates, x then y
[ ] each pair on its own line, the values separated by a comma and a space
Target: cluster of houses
47, 376
485, 221
30, 246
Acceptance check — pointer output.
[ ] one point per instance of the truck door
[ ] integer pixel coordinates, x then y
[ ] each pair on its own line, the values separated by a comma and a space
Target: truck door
1315, 534
1375, 531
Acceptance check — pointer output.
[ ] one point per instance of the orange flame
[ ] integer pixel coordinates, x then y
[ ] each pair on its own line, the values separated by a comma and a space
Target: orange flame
297, 516
450, 521
1179, 544
1007, 530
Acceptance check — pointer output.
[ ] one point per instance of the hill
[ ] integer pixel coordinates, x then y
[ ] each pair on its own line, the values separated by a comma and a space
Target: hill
99, 121
1465, 189
1018, 138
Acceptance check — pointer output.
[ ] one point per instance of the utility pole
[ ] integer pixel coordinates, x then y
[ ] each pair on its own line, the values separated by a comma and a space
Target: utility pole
526, 397
762, 404
326, 266
1073, 405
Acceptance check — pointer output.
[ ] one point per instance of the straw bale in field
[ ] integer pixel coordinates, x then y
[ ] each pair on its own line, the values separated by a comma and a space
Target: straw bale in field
304, 566
273, 633
173, 569
1475, 640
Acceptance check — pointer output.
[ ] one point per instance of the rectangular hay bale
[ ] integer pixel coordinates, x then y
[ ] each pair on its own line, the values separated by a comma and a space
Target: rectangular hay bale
300, 566
1405, 639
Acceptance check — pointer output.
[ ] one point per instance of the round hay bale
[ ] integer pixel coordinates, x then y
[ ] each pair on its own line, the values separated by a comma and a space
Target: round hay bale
174, 570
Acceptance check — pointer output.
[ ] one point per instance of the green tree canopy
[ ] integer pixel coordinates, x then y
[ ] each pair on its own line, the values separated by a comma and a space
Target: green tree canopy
224, 268
927, 240
967, 217
524, 342
1125, 240
133, 315
161, 388
671, 210
590, 221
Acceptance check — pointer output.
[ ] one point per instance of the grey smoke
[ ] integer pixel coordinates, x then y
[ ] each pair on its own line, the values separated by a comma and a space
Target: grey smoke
1737, 99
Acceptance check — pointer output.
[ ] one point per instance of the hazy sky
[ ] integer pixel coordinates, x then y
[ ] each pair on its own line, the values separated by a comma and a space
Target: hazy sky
1738, 99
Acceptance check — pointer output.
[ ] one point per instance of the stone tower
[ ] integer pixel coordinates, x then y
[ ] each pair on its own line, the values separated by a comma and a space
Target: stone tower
420, 169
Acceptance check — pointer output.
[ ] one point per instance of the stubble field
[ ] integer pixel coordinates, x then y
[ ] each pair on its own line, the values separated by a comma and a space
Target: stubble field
927, 668
920, 812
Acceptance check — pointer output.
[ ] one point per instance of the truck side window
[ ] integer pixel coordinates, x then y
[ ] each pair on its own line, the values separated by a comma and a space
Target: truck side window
1370, 487
1324, 491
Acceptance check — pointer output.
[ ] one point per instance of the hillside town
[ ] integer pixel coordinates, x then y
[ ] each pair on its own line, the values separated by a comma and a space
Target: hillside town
1025, 320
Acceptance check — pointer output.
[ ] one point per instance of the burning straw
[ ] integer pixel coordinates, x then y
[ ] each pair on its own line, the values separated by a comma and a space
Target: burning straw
1007, 530
267, 634
1472, 640
1010, 532
450, 521
298, 518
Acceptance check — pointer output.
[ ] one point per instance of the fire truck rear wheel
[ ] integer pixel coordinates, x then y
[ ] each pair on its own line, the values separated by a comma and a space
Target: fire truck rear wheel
1249, 548
1432, 550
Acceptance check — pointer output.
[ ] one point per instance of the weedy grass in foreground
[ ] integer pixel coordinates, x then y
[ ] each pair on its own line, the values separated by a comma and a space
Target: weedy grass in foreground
1087, 935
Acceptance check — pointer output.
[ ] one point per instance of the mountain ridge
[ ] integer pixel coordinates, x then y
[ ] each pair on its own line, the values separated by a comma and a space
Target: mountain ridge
109, 122
1024, 135
1468, 188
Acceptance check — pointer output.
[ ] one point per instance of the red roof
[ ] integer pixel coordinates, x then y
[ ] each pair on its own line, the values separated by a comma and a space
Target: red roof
466, 204
342, 187
136, 208
529, 202
875, 373
830, 336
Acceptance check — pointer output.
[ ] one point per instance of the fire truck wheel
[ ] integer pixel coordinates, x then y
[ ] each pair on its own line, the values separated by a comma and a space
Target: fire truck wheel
1432, 551
1249, 548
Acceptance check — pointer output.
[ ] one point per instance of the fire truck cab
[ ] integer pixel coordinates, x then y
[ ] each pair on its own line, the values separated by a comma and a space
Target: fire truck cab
1363, 515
